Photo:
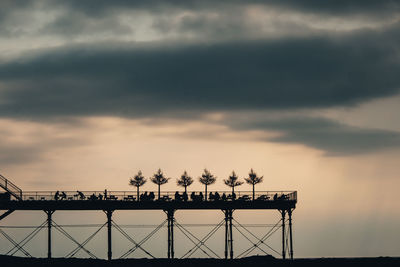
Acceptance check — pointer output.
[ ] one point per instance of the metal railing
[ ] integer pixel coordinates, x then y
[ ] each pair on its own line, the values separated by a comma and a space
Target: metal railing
10, 187
164, 196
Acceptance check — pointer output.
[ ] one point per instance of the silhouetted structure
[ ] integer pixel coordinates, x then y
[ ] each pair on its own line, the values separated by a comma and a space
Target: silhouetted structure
284, 202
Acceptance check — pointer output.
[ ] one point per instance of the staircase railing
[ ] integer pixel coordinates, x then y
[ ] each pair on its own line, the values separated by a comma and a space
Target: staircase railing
10, 187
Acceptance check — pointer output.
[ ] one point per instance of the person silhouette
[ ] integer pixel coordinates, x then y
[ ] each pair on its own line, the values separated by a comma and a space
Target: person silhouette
223, 197
201, 197
177, 196
81, 195
152, 196
56, 195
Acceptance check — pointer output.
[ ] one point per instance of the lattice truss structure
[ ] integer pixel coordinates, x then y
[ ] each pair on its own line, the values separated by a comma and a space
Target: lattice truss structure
231, 227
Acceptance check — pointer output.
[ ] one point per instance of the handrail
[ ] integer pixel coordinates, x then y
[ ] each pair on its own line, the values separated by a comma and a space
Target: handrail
7, 184
164, 195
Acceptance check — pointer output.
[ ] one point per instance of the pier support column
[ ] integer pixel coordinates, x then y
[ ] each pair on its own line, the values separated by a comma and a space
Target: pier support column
290, 235
170, 217
228, 233
283, 212
109, 245
49, 224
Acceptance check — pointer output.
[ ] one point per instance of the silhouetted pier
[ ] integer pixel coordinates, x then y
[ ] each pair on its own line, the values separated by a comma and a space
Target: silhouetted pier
109, 201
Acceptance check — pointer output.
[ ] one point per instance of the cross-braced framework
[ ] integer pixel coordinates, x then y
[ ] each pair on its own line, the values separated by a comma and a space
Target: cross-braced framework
230, 225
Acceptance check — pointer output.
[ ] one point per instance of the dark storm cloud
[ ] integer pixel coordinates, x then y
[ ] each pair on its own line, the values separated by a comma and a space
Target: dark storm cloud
137, 81
218, 74
73, 23
99, 16
327, 135
330, 6
227, 14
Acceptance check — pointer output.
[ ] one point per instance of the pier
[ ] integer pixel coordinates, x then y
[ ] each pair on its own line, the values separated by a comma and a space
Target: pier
14, 199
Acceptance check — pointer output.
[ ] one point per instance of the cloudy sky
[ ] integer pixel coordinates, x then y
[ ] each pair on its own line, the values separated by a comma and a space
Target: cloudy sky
304, 92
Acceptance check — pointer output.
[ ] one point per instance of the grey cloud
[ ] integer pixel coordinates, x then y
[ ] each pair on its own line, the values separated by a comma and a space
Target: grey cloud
342, 6
82, 16
330, 6
14, 154
71, 23
332, 137
147, 80
36, 145
229, 20
13, 14
229, 25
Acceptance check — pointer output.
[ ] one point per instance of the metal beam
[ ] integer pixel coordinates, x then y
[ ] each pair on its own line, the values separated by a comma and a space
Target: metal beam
230, 234
283, 212
109, 226
170, 218
169, 239
172, 234
138, 245
5, 214
16, 245
226, 234
201, 243
49, 224
290, 235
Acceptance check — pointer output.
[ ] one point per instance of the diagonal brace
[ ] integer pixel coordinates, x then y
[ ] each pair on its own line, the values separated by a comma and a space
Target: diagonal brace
5, 214
79, 247
65, 233
203, 240
15, 243
141, 242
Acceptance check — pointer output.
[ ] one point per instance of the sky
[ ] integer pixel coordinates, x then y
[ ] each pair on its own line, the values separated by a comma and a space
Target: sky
304, 92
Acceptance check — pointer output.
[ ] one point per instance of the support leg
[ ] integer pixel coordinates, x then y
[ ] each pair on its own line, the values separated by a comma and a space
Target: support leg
290, 234
226, 233
172, 234
49, 224
170, 217
109, 251
230, 235
169, 237
283, 212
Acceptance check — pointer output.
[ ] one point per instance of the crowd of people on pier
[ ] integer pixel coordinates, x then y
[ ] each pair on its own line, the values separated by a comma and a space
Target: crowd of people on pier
150, 196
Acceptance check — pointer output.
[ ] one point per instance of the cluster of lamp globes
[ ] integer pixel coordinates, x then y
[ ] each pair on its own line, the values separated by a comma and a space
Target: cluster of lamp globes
185, 180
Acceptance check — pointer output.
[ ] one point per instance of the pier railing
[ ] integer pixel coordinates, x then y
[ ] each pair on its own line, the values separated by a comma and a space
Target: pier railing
10, 187
153, 196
